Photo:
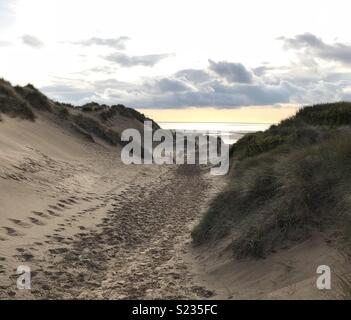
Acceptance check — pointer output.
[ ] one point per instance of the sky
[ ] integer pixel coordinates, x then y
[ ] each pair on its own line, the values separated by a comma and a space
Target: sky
223, 60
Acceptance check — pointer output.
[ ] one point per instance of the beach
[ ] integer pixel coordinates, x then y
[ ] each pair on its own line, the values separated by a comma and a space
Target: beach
89, 226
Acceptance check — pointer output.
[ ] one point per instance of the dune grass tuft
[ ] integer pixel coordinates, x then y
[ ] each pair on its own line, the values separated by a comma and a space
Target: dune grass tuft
12, 104
284, 183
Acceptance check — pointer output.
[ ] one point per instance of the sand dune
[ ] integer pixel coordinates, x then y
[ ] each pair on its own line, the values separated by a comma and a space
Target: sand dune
53, 184
287, 274
90, 227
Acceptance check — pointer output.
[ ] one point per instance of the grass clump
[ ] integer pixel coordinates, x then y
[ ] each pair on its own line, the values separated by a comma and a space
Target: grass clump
286, 182
34, 97
305, 127
93, 126
13, 104
63, 113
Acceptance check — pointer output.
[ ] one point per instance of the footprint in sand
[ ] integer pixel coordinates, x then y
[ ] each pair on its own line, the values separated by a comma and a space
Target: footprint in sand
36, 221
52, 213
41, 214
64, 201
20, 223
12, 232
55, 208
58, 250
24, 255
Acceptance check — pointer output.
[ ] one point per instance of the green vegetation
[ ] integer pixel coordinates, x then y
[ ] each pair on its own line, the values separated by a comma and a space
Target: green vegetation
305, 127
284, 183
34, 97
63, 112
93, 126
92, 118
12, 103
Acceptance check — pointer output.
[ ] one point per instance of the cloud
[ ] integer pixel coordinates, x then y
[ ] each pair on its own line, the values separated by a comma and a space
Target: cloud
169, 85
32, 41
4, 43
317, 48
130, 61
116, 43
232, 72
225, 84
220, 95
189, 87
194, 76
172, 94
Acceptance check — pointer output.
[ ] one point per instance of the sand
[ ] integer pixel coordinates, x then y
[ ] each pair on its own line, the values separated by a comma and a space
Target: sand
90, 227
87, 225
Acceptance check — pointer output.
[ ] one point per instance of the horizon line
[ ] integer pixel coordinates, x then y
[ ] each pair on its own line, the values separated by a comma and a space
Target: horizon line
238, 122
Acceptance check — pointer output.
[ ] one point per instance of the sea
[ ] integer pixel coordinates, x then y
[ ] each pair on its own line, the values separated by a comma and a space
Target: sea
230, 131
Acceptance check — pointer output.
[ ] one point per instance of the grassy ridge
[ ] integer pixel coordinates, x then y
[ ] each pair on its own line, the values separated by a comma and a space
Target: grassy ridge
95, 127
92, 118
14, 104
286, 182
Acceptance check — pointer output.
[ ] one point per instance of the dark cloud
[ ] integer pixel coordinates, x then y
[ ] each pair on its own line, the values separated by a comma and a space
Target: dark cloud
232, 72
302, 40
185, 88
177, 92
220, 95
32, 41
170, 85
316, 48
130, 61
224, 84
195, 76
116, 43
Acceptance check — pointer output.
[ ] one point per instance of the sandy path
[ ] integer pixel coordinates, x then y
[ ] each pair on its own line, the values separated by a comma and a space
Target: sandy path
140, 248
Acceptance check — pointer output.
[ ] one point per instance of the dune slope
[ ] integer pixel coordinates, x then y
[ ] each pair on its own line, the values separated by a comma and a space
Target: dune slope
288, 189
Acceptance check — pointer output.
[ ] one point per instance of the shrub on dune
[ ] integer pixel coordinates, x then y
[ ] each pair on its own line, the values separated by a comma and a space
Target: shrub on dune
284, 183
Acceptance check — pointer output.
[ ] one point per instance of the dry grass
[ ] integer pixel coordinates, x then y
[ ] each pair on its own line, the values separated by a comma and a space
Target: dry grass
279, 194
12, 103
